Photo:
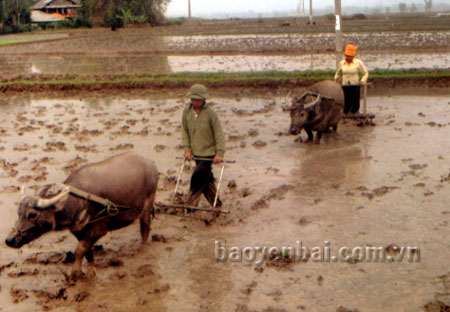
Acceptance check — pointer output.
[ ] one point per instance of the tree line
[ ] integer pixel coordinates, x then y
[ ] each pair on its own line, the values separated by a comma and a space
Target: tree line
15, 15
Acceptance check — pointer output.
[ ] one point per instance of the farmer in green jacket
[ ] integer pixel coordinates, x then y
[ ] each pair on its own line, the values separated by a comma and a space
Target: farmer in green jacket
202, 137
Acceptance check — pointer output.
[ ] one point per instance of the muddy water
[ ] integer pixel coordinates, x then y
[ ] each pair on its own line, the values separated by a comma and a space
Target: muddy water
253, 63
379, 186
307, 42
117, 65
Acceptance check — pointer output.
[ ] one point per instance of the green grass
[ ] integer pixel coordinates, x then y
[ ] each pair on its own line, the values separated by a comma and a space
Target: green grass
242, 78
10, 41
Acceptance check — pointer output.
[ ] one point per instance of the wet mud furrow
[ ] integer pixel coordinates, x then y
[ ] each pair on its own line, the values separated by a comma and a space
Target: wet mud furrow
381, 186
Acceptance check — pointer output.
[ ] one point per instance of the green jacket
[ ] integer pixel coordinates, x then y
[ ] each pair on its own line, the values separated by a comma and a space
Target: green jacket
203, 136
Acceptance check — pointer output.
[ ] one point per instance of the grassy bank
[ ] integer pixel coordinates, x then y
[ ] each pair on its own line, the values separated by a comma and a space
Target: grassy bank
247, 79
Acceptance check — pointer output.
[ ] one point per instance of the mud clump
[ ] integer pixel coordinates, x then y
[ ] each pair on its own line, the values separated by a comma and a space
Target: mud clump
253, 132
445, 178
51, 258
276, 193
121, 147
46, 295
343, 309
158, 238
392, 249
260, 203
304, 221
144, 270
53, 146
81, 296
18, 295
436, 306
24, 273
417, 166
236, 137
159, 148
232, 184
113, 262
259, 143
383, 190
280, 260
86, 148
74, 164
158, 290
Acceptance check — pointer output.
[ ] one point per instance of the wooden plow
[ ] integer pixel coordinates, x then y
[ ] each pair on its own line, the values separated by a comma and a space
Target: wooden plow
364, 118
185, 211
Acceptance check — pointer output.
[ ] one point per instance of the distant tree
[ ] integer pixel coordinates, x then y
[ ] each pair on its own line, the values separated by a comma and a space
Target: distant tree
15, 12
402, 7
108, 12
428, 5
388, 10
413, 8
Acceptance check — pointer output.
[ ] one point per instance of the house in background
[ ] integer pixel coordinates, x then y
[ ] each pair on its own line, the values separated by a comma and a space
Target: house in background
49, 11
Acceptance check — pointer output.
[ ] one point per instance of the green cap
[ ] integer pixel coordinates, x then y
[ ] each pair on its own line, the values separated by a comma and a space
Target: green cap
198, 92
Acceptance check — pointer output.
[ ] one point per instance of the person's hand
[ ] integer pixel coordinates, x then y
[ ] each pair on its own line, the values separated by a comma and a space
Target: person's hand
337, 79
188, 155
217, 159
361, 83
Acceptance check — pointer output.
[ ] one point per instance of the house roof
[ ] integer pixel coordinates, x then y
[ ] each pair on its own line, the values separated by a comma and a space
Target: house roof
42, 17
56, 4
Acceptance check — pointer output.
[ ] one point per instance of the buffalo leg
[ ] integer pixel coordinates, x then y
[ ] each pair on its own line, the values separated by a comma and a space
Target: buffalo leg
81, 251
318, 136
146, 218
90, 259
310, 135
335, 128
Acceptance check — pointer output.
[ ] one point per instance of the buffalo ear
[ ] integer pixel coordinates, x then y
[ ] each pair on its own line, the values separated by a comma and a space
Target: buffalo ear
61, 203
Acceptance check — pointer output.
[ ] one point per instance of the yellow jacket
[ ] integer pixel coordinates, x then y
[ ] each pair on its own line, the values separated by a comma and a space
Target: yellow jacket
350, 72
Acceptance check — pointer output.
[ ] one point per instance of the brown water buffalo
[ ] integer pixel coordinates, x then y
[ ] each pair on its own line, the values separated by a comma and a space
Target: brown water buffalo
318, 109
127, 180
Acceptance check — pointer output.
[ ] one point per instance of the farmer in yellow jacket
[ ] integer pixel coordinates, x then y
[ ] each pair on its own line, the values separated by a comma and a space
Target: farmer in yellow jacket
202, 137
348, 73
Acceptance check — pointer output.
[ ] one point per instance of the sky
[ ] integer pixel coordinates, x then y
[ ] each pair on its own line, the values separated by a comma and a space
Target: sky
201, 8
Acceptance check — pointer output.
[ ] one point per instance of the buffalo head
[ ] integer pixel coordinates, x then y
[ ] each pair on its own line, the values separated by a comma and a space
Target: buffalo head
303, 110
37, 215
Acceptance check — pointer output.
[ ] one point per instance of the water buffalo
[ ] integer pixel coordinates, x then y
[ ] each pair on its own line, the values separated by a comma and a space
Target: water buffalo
318, 109
127, 180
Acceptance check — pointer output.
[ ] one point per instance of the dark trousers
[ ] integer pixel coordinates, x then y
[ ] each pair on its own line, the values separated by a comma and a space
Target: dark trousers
202, 181
352, 95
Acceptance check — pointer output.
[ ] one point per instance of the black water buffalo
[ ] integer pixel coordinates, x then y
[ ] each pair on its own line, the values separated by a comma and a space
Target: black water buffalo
127, 180
318, 109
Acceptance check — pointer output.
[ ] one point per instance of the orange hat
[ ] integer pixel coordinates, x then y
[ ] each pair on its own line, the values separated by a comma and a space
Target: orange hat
350, 50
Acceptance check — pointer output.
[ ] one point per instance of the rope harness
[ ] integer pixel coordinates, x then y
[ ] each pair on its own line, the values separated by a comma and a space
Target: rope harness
110, 209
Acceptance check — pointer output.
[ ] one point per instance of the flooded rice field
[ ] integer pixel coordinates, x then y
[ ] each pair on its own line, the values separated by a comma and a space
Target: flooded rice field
157, 64
385, 186
307, 42
138, 52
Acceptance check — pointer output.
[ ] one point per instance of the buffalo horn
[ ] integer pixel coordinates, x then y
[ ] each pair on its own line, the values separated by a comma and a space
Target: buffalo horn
47, 202
317, 100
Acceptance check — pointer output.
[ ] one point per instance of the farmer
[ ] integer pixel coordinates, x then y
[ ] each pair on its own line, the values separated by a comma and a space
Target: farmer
202, 137
347, 72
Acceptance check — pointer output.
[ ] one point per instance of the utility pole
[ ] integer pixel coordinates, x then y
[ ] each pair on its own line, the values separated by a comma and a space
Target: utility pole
428, 5
189, 9
339, 41
310, 12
